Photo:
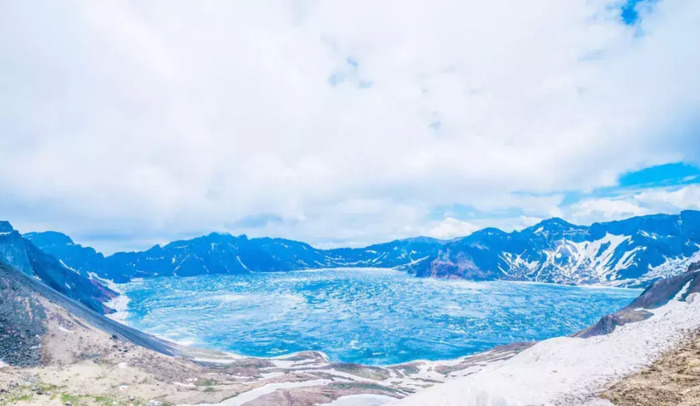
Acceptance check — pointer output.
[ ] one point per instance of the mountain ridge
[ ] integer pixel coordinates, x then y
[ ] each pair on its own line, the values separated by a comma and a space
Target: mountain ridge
20, 253
632, 252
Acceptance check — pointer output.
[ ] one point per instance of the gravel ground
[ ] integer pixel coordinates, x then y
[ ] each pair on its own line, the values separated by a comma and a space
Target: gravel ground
673, 380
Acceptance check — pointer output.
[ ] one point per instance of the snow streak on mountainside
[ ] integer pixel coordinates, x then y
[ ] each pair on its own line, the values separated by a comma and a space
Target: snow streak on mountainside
630, 252
19, 253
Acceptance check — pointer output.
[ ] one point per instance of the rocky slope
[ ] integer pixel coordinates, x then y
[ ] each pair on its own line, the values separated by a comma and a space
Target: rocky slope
23, 255
672, 380
660, 293
28, 306
632, 252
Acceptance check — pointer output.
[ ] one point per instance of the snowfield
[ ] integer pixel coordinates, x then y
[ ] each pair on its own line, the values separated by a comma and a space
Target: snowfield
567, 370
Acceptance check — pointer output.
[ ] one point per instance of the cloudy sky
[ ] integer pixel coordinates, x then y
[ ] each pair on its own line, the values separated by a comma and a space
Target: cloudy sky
129, 123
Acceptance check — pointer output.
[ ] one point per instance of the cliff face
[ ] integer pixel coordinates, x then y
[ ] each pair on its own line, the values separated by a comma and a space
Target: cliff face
13, 250
24, 256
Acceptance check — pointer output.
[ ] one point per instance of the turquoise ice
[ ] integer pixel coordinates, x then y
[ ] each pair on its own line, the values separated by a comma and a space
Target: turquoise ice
367, 316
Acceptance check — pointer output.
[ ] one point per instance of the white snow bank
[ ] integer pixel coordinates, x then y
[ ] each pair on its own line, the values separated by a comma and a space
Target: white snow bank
120, 304
251, 395
361, 400
225, 361
65, 330
3, 364
566, 369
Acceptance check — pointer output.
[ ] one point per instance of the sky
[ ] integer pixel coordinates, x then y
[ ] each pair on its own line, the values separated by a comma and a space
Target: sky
342, 123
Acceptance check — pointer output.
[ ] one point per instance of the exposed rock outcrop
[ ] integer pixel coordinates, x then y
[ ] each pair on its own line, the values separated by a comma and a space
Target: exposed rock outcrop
23, 255
655, 296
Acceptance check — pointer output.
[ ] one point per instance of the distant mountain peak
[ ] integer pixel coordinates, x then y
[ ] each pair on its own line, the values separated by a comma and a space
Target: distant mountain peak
49, 237
6, 227
554, 223
488, 231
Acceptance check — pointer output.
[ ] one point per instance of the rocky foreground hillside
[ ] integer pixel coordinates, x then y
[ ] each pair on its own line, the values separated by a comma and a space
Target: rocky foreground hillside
632, 252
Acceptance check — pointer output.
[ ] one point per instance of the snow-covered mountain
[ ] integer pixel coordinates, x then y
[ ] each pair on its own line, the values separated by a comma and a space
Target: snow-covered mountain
631, 252
218, 253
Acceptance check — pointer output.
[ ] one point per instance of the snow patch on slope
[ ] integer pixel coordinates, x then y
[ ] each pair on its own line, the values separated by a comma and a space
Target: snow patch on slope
120, 303
569, 370
574, 262
361, 400
671, 266
67, 267
251, 395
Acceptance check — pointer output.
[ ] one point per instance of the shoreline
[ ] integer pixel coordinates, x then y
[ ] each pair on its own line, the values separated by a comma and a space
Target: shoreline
120, 303
121, 314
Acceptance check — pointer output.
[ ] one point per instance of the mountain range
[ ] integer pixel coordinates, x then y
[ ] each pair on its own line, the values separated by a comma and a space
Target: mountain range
632, 253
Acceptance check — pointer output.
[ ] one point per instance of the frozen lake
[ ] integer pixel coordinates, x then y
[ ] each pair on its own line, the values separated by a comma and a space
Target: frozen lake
367, 316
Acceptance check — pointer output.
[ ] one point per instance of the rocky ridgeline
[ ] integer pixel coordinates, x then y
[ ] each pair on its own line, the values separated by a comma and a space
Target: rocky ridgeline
632, 252
23, 255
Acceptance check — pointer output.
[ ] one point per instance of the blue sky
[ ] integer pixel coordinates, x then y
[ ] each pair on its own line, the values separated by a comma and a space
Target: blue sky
629, 13
343, 123
665, 178
671, 174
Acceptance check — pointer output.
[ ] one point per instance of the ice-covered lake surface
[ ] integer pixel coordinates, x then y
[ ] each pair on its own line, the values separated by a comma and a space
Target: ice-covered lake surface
367, 316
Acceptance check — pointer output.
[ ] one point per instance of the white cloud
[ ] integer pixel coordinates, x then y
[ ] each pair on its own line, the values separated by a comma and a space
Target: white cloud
527, 221
670, 200
451, 227
143, 119
604, 209
635, 203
